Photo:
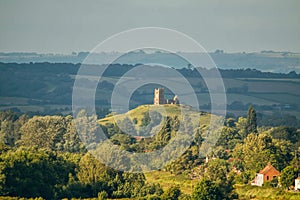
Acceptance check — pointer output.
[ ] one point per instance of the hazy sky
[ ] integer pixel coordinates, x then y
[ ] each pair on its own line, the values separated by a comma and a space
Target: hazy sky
63, 26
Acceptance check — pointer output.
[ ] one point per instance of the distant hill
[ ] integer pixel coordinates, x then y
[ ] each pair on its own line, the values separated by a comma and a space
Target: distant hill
46, 88
139, 113
146, 120
268, 61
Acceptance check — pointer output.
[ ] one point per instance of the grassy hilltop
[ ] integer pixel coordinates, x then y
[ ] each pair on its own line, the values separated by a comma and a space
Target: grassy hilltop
170, 110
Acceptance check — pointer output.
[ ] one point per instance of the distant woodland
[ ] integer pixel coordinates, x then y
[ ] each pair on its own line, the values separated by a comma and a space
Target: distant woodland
46, 88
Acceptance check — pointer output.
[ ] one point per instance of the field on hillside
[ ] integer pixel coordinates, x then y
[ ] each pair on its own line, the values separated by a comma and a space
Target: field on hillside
166, 180
247, 192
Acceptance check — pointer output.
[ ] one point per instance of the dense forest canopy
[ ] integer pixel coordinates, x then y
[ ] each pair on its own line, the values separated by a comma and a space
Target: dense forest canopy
43, 156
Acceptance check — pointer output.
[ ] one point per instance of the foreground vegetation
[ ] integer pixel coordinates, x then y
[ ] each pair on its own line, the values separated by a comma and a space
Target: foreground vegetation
263, 193
43, 156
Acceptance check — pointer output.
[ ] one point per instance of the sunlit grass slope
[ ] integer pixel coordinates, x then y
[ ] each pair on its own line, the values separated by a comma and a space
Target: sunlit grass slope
170, 110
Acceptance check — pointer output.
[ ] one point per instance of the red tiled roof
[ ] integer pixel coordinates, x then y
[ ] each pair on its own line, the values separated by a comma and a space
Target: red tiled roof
268, 168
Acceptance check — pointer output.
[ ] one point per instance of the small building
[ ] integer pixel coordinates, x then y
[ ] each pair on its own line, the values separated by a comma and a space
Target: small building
159, 97
265, 175
207, 159
297, 183
173, 101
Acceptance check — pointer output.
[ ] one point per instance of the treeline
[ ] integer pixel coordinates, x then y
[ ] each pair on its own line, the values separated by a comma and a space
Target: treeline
116, 70
50, 84
254, 73
43, 157
33, 172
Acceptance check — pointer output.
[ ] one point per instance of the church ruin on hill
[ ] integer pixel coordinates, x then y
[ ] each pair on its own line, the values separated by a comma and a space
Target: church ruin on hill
159, 97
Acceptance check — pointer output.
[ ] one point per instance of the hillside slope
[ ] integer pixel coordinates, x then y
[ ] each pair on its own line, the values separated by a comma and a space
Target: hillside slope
137, 115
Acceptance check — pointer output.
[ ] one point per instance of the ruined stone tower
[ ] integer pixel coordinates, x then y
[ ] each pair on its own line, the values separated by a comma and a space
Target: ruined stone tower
159, 97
